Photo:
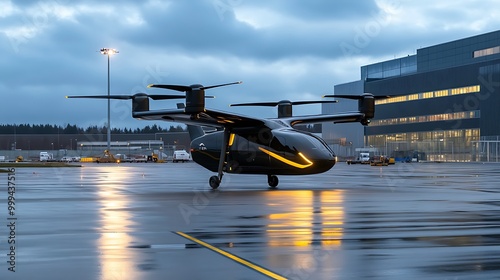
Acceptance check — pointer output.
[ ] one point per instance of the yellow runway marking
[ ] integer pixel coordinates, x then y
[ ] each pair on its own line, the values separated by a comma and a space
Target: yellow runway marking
233, 257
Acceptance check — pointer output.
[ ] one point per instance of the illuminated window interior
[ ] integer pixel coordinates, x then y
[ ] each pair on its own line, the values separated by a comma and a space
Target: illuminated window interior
428, 118
488, 51
441, 145
430, 94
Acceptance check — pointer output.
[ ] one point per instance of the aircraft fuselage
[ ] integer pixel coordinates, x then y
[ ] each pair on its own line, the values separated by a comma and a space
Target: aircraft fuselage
265, 150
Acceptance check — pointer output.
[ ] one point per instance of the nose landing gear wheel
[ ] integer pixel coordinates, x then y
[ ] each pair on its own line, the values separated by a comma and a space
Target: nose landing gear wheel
214, 182
273, 181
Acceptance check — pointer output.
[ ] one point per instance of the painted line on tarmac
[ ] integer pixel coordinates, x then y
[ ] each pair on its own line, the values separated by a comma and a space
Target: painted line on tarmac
235, 258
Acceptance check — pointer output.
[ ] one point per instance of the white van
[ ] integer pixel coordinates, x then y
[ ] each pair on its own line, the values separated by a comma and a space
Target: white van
45, 156
364, 157
181, 155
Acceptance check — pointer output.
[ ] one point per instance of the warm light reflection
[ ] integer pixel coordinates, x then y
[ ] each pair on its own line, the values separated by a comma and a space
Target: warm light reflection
117, 261
310, 221
332, 216
305, 217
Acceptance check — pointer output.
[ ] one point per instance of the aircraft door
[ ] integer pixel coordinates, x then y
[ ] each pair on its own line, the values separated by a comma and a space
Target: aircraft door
238, 148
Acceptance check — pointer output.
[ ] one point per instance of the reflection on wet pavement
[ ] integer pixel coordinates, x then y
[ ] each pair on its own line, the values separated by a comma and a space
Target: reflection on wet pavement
408, 221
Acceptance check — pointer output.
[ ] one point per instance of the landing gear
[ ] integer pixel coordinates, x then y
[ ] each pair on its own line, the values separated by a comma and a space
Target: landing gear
273, 181
214, 182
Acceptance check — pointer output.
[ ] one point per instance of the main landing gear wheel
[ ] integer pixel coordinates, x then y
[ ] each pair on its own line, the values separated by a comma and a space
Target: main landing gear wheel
214, 182
273, 181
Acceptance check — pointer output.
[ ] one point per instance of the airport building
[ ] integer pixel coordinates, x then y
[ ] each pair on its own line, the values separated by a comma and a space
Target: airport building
29, 146
444, 104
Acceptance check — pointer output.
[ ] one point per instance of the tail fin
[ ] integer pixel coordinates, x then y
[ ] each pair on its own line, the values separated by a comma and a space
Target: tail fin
195, 131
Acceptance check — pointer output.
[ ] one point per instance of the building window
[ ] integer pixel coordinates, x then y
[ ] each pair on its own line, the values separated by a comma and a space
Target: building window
428, 118
430, 94
427, 95
441, 93
485, 52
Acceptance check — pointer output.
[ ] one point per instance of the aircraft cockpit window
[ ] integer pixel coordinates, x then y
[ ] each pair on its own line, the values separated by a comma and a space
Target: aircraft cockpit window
320, 144
279, 143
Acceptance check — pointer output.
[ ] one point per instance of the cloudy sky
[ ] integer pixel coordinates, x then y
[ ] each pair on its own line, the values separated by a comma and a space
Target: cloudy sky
282, 49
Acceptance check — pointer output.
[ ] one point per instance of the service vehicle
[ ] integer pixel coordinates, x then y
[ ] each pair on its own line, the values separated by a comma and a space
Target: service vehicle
181, 155
46, 156
363, 158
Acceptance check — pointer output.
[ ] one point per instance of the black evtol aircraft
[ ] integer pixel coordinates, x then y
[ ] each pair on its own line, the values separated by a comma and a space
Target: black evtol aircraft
249, 145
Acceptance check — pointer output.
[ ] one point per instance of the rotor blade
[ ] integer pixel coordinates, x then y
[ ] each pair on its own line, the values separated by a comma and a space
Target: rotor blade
188, 88
221, 85
314, 102
172, 87
273, 104
270, 104
166, 97
357, 97
123, 97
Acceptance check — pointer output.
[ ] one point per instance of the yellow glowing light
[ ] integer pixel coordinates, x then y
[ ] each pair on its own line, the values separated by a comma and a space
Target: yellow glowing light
231, 139
287, 161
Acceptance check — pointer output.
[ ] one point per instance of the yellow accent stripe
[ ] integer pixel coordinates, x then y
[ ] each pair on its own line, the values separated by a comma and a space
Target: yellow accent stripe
231, 139
287, 161
233, 257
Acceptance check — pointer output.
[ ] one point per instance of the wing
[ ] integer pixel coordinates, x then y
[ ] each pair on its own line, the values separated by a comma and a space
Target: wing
337, 118
213, 118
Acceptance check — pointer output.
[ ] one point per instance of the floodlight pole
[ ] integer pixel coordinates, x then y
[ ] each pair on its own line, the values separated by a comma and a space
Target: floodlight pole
109, 52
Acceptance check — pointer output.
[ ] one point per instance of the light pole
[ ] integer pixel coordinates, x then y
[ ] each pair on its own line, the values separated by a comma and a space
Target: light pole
109, 52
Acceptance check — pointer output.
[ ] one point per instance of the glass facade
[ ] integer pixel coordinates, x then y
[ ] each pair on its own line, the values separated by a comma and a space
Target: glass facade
445, 98
460, 52
441, 145
437, 145
391, 68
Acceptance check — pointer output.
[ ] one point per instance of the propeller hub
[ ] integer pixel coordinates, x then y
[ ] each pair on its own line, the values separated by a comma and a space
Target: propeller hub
140, 102
195, 101
196, 86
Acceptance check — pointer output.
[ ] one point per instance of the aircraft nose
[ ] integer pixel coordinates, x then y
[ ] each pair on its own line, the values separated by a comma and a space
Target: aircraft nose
332, 159
326, 163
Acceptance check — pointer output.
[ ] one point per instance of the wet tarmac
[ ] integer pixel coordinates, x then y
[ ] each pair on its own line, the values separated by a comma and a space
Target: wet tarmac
161, 221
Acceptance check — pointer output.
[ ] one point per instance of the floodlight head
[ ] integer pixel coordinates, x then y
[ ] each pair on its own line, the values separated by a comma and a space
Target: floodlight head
107, 51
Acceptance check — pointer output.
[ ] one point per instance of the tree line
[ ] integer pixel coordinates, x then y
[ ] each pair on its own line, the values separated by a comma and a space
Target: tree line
74, 129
